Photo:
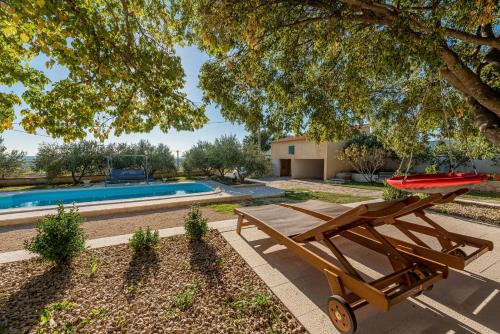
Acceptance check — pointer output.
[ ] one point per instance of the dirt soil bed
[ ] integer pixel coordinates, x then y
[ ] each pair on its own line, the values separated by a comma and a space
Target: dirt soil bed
12, 237
183, 288
472, 211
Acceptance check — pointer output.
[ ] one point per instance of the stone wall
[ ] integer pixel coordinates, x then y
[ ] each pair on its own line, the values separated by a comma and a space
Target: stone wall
490, 186
34, 181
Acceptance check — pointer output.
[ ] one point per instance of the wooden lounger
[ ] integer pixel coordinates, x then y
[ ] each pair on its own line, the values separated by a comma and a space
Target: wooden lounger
290, 227
450, 253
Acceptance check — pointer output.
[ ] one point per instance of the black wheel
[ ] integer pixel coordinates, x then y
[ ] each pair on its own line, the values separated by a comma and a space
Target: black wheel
458, 252
342, 315
418, 275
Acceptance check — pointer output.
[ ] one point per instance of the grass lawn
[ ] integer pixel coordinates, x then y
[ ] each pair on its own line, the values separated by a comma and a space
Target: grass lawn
223, 207
291, 195
362, 185
299, 194
183, 287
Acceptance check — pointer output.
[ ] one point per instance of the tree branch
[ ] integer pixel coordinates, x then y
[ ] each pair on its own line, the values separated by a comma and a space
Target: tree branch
469, 82
474, 39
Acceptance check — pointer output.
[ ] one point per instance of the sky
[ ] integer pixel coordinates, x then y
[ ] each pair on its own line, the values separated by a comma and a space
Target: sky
192, 59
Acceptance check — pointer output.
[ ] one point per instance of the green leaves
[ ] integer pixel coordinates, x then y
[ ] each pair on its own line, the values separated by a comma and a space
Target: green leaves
60, 237
325, 68
10, 162
123, 73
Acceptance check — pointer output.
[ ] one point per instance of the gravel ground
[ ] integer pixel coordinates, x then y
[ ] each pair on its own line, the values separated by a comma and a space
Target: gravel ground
318, 185
471, 211
12, 237
185, 288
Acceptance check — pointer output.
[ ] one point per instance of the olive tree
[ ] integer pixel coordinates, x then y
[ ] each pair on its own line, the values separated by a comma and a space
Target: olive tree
79, 159
225, 154
365, 154
49, 160
10, 162
252, 163
197, 158
159, 157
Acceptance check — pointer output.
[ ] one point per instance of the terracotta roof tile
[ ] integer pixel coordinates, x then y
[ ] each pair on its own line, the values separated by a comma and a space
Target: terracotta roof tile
290, 138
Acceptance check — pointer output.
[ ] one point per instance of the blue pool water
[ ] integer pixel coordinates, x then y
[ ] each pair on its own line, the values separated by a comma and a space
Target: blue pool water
92, 194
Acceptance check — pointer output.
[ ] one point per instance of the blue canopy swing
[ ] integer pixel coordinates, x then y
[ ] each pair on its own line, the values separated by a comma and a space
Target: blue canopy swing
117, 175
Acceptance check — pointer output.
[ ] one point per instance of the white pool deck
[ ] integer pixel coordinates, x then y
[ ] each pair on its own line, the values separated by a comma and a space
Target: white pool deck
223, 194
466, 302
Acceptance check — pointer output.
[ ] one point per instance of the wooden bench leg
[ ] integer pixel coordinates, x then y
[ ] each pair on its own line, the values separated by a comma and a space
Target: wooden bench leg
239, 224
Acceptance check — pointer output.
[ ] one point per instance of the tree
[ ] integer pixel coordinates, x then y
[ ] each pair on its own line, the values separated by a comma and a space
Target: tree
49, 160
453, 153
252, 163
266, 137
10, 162
365, 155
82, 158
323, 66
197, 158
225, 154
78, 159
123, 74
160, 158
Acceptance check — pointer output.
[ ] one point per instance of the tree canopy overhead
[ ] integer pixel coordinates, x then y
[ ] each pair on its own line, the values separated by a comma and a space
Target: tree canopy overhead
123, 76
326, 66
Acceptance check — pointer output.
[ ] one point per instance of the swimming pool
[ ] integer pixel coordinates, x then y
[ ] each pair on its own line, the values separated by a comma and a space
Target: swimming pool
26, 199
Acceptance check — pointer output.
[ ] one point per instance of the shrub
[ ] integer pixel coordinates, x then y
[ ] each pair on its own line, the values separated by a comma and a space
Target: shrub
144, 240
364, 159
390, 193
195, 224
431, 169
59, 237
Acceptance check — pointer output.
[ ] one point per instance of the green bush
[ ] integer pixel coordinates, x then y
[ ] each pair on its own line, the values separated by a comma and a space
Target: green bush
59, 237
390, 193
144, 240
195, 224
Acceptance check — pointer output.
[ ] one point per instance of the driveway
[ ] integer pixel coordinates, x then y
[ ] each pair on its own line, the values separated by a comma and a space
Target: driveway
318, 185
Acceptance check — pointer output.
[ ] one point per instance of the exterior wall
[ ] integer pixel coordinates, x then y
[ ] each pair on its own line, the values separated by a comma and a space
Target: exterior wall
307, 168
307, 162
303, 150
490, 186
275, 164
332, 163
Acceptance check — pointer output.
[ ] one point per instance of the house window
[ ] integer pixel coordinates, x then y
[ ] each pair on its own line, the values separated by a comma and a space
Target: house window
291, 149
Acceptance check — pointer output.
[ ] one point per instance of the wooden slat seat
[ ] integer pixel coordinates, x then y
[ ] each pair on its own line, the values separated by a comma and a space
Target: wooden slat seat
331, 209
287, 221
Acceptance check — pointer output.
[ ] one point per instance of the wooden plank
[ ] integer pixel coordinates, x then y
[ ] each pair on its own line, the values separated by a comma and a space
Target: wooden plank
287, 221
334, 223
345, 263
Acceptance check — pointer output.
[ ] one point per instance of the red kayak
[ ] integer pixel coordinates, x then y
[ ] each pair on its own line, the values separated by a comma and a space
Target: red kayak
436, 183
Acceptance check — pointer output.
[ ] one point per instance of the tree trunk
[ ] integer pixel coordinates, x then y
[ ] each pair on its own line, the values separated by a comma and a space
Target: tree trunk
73, 176
484, 100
